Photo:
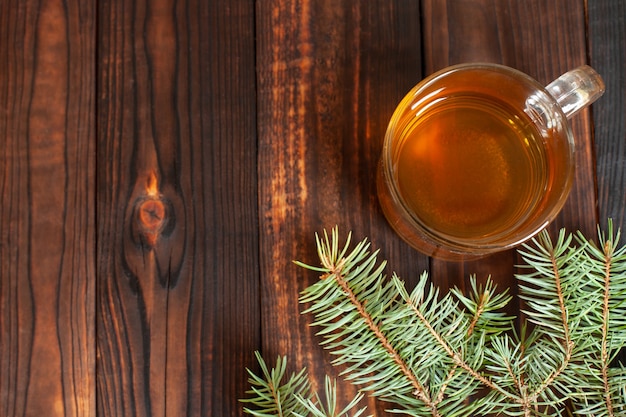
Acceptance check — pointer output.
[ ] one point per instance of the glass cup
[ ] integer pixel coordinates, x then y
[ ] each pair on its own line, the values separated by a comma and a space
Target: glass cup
478, 158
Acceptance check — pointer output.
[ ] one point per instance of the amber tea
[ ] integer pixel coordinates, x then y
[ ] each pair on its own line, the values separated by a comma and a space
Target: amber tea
478, 158
470, 169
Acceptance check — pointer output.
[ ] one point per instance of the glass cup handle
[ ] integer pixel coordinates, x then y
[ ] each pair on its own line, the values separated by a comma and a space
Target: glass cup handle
576, 89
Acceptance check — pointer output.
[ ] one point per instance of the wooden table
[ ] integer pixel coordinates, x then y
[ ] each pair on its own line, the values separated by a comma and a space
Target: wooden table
163, 162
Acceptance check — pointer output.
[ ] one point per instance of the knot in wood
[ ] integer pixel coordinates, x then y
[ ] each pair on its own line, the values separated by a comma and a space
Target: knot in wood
152, 219
152, 214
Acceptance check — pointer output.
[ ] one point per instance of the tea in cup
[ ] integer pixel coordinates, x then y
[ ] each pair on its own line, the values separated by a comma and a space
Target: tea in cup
478, 158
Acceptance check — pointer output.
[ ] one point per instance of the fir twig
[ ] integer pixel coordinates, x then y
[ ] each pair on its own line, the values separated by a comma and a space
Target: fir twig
432, 354
272, 395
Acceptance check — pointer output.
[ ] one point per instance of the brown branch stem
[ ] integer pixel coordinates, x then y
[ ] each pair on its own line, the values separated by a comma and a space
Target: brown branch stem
480, 308
605, 327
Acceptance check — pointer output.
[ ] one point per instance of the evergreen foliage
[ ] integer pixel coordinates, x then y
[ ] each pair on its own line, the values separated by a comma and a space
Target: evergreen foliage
456, 354
275, 396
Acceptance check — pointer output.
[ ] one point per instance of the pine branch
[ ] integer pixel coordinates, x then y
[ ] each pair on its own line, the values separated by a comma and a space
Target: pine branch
376, 333
556, 306
272, 396
419, 389
431, 354
607, 321
350, 300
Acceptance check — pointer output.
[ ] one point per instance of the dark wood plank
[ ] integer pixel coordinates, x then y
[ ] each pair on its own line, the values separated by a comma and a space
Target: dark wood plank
330, 74
607, 38
47, 235
496, 31
177, 306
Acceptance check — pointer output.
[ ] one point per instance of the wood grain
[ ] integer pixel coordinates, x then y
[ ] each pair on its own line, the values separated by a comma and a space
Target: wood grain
177, 306
164, 161
495, 31
330, 74
607, 38
47, 234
